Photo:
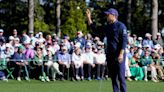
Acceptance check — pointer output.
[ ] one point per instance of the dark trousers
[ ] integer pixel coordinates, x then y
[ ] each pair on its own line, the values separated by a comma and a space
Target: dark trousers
64, 70
39, 70
117, 73
19, 70
88, 70
100, 70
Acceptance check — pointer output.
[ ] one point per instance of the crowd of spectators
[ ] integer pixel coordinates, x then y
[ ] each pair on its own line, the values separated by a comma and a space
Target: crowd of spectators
50, 58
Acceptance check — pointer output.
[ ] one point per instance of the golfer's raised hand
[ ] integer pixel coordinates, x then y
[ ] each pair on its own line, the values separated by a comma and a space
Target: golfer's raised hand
88, 14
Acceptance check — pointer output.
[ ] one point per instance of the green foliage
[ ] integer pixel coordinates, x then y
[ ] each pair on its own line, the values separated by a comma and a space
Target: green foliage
73, 18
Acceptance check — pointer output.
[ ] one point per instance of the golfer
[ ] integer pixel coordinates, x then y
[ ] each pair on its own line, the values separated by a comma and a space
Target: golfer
116, 34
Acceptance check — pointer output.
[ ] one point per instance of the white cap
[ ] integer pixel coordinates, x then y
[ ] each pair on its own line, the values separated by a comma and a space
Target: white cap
26, 42
40, 33
148, 35
139, 46
89, 44
8, 45
158, 33
1, 30
139, 38
78, 44
11, 38
64, 47
147, 46
17, 39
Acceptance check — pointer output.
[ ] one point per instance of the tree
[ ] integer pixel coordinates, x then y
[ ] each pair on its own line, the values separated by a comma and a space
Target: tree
73, 18
31, 15
154, 17
58, 17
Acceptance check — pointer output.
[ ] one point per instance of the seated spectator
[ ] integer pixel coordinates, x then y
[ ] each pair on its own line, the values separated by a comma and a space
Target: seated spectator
147, 64
77, 61
88, 60
100, 59
64, 61
135, 69
51, 63
38, 64
3, 66
20, 62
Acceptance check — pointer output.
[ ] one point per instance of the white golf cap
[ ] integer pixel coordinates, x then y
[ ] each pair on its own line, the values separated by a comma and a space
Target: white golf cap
139, 38
158, 33
1, 30
148, 35
11, 38
78, 44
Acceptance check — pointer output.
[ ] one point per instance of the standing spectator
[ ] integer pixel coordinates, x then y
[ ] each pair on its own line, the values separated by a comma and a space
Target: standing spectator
148, 40
32, 39
79, 38
159, 40
15, 33
25, 37
29, 52
1, 35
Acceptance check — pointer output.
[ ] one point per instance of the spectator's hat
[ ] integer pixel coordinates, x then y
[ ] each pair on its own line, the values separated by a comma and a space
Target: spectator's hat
64, 48
79, 33
17, 39
77, 45
157, 46
159, 34
1, 30
11, 38
139, 38
139, 46
20, 47
7, 45
147, 46
31, 32
26, 42
112, 11
148, 35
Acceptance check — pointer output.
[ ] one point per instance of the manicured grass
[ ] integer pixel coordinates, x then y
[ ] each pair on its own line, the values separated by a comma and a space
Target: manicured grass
69, 86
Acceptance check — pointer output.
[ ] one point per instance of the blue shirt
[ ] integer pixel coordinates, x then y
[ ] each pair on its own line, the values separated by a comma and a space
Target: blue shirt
116, 34
65, 58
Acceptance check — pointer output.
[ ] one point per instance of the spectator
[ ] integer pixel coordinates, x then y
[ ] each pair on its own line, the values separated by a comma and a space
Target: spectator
77, 61
100, 59
51, 62
79, 38
148, 41
38, 63
88, 60
135, 69
147, 65
20, 62
64, 61
159, 40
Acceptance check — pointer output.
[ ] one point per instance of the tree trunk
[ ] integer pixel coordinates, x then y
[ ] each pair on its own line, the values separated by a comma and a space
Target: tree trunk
129, 14
154, 25
58, 17
31, 16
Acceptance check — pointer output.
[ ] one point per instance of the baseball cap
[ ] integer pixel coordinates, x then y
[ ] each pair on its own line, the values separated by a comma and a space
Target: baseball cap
1, 30
112, 11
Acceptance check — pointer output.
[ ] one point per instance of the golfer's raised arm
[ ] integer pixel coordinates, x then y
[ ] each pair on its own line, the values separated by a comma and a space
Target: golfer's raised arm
88, 14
